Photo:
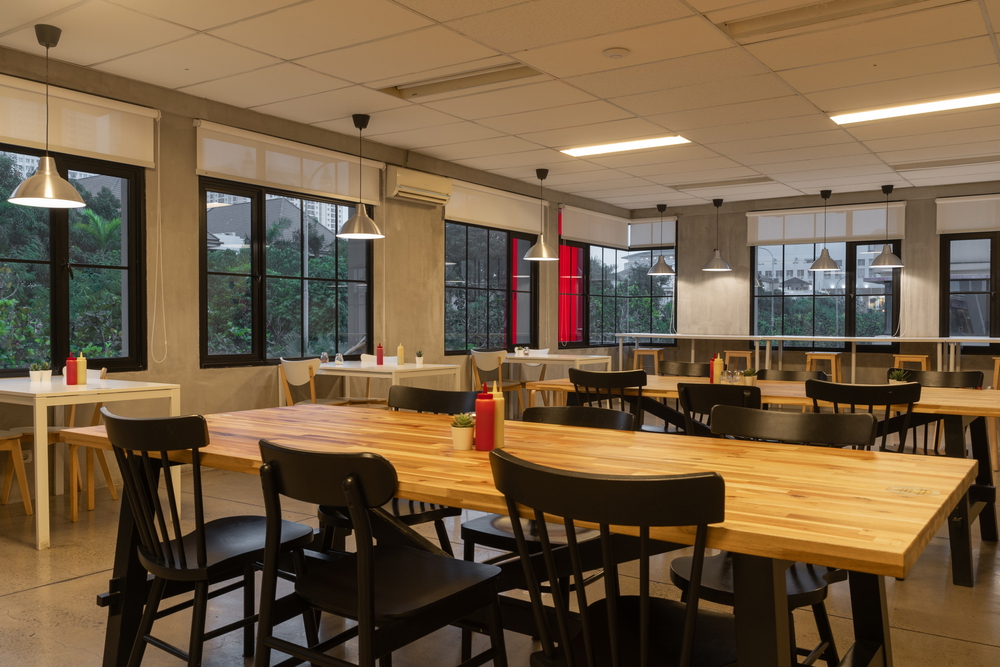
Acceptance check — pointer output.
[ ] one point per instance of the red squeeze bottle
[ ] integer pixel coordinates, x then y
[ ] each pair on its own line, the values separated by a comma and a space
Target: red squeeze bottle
379, 355
711, 369
485, 420
70, 371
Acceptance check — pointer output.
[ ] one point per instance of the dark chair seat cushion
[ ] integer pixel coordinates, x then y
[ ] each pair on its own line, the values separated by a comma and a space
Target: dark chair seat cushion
407, 582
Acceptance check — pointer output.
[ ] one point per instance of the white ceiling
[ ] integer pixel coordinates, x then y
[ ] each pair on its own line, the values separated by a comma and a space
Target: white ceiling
756, 108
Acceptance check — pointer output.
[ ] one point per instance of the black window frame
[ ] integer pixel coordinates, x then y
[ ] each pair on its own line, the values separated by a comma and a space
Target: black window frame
944, 318
258, 259
61, 269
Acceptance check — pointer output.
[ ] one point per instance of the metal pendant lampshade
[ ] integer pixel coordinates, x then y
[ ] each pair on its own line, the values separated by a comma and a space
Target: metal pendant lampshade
824, 262
717, 263
46, 188
660, 267
541, 251
887, 259
360, 225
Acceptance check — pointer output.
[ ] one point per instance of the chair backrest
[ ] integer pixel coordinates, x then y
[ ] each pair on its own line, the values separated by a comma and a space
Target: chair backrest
805, 428
697, 401
440, 402
533, 372
685, 369
95, 419
790, 376
296, 374
949, 379
142, 448
373, 359
611, 386
486, 366
643, 502
888, 398
580, 415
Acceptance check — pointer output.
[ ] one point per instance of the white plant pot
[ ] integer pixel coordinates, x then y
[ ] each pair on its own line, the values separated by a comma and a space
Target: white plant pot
46, 375
461, 438
420, 361
750, 380
34, 376
897, 381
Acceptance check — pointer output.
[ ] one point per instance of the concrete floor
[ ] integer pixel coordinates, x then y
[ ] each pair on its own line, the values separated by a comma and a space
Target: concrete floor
48, 614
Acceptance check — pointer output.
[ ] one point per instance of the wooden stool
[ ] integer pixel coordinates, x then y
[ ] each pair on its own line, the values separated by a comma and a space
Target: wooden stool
642, 353
923, 359
738, 354
836, 363
11, 442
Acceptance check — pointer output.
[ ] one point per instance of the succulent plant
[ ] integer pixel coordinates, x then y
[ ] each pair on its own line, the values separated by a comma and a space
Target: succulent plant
34, 367
463, 420
420, 353
750, 372
898, 374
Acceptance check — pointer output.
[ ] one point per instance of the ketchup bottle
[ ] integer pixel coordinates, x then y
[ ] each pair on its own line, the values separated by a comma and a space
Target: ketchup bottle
70, 370
379, 355
485, 420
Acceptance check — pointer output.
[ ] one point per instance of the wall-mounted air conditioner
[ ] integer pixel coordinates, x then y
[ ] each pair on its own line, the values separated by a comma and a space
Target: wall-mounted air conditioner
417, 186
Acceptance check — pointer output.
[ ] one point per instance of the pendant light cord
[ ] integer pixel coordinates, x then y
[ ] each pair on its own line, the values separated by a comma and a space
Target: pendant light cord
46, 101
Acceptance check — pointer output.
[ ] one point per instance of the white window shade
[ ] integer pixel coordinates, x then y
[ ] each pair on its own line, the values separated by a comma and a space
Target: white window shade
79, 124
859, 222
590, 227
968, 214
652, 233
479, 205
233, 154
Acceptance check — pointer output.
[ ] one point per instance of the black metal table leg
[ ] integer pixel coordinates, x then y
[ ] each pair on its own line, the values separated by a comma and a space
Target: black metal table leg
872, 646
762, 633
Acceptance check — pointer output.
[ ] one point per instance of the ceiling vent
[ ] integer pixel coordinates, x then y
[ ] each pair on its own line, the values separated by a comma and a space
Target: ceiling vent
462, 81
755, 28
417, 186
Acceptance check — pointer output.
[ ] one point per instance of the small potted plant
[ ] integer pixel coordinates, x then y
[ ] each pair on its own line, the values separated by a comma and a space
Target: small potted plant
46, 371
420, 357
750, 377
462, 430
897, 376
518, 351
35, 372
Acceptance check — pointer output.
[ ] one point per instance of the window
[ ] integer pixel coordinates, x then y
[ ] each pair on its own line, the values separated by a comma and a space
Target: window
604, 291
488, 289
849, 302
68, 278
968, 303
276, 280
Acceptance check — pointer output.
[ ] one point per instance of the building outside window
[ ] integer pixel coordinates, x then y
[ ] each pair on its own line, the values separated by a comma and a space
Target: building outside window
968, 286
69, 279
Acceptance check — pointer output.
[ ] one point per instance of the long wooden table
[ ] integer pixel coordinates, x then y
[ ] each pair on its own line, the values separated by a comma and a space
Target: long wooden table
871, 513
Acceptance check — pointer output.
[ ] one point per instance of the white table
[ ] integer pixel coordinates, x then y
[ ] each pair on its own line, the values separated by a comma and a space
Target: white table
392, 372
43, 395
573, 360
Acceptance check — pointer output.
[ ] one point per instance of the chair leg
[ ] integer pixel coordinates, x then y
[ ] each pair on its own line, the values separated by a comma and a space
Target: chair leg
468, 554
442, 534
8, 479
496, 635
249, 586
826, 634
74, 475
102, 459
198, 613
17, 467
146, 624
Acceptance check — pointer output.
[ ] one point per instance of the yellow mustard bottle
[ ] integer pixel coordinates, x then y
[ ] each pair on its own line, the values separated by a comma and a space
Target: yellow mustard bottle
498, 404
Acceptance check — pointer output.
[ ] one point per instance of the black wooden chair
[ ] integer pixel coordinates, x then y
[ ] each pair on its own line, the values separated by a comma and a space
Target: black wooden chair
948, 379
396, 594
687, 369
213, 552
807, 585
790, 376
617, 629
594, 388
868, 397
335, 522
580, 415
697, 401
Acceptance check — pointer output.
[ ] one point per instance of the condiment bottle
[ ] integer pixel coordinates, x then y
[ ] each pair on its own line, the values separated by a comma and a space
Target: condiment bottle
498, 406
379, 355
485, 420
70, 370
399, 354
81, 369
715, 370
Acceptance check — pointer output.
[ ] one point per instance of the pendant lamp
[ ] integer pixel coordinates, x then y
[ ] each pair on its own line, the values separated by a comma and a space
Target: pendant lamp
360, 226
660, 268
46, 188
887, 259
541, 251
824, 262
717, 263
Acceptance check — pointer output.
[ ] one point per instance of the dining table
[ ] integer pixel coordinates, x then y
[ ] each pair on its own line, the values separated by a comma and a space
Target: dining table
870, 513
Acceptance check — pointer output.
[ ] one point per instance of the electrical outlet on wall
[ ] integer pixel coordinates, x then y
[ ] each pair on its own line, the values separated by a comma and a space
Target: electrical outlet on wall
26, 455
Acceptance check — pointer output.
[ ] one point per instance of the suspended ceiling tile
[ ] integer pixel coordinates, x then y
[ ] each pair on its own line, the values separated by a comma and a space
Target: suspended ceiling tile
889, 66
952, 138
202, 15
812, 152
932, 26
993, 10
679, 153
652, 171
656, 190
533, 24
452, 70
17, 14
924, 124
725, 64
758, 8
828, 163
744, 112
316, 26
438, 135
539, 157
712, 94
650, 43
497, 146
842, 172
949, 152
189, 61
411, 117
399, 55
560, 176
97, 31
598, 133
263, 86
594, 186
948, 175
512, 100
785, 142
446, 10
671, 199
559, 172
871, 183
332, 105
778, 127
554, 118
745, 192
704, 176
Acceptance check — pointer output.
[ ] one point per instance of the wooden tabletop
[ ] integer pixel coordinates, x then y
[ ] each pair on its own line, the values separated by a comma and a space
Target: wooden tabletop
867, 511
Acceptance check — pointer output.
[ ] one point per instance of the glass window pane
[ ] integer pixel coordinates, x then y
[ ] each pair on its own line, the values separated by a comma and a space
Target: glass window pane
520, 313
229, 315
97, 232
352, 318
478, 319
229, 232
321, 227
830, 319
284, 318
24, 314
498, 260
96, 317
478, 258
321, 321
283, 235
521, 278
797, 258
969, 314
969, 270
24, 230
769, 315
797, 319
497, 318
873, 314
454, 318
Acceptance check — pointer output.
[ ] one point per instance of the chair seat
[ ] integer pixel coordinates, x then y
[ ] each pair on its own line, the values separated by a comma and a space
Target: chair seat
407, 581
324, 401
497, 532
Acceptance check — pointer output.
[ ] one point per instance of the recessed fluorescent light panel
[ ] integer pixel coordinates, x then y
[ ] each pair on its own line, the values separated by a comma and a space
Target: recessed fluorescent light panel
914, 109
625, 146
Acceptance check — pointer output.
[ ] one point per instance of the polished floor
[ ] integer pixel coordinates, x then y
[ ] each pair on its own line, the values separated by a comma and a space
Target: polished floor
48, 614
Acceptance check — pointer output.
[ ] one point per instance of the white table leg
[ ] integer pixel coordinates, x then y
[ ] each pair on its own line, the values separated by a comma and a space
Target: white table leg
767, 354
621, 353
781, 352
756, 354
41, 444
692, 350
940, 356
854, 360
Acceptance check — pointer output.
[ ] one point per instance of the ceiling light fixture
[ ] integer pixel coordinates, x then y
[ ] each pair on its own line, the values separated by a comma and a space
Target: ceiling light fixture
824, 262
541, 251
717, 263
625, 146
616, 53
914, 109
661, 268
360, 226
887, 259
46, 188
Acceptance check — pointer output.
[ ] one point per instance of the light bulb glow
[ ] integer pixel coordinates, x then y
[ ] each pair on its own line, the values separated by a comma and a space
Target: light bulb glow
914, 109
625, 146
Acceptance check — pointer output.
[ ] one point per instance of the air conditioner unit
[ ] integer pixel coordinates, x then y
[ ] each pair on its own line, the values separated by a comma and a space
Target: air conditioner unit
418, 186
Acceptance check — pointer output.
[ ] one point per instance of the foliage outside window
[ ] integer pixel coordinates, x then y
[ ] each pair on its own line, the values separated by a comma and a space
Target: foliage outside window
968, 287
604, 291
489, 289
277, 280
856, 301
68, 278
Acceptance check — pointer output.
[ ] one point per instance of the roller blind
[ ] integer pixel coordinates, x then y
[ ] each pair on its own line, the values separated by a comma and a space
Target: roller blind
79, 124
233, 154
591, 227
479, 205
652, 233
968, 214
858, 222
